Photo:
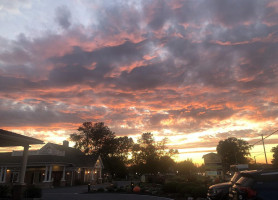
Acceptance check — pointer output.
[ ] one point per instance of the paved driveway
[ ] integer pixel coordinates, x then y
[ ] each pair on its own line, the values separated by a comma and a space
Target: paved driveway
78, 193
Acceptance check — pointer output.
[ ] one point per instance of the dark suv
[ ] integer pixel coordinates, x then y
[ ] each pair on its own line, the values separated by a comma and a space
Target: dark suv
256, 185
221, 191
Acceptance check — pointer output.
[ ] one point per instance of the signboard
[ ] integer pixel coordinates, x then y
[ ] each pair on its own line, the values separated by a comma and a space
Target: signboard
211, 173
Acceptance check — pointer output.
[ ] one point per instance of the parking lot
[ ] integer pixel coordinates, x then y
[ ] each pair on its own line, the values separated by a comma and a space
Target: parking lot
80, 193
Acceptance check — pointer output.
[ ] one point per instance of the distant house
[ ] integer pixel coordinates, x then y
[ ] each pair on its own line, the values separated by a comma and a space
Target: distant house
52, 165
213, 166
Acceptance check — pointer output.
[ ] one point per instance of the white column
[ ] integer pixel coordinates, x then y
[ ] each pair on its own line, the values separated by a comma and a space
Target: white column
1, 175
64, 174
50, 173
5, 175
23, 165
45, 174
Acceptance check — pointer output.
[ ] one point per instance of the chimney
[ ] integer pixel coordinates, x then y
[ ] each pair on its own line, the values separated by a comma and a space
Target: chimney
66, 143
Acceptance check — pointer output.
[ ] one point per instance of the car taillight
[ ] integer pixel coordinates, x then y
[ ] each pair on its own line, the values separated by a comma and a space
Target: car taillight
250, 193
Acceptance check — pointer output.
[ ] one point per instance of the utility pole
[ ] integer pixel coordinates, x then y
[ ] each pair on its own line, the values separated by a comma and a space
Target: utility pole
264, 149
255, 159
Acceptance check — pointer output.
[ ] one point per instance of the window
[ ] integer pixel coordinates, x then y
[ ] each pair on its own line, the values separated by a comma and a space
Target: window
15, 177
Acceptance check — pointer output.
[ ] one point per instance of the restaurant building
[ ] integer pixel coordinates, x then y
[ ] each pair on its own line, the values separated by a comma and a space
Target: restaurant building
52, 165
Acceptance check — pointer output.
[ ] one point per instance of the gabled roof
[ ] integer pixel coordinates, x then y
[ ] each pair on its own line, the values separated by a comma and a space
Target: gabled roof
71, 157
211, 158
8, 139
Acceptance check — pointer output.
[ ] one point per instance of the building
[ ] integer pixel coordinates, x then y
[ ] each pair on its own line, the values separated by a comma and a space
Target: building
10, 139
52, 165
213, 166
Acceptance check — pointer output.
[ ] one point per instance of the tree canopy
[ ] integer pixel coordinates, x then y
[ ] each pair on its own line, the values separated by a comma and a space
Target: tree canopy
150, 156
233, 151
94, 138
274, 161
145, 156
186, 168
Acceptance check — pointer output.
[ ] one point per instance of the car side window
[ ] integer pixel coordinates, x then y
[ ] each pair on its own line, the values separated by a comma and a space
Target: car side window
245, 181
266, 185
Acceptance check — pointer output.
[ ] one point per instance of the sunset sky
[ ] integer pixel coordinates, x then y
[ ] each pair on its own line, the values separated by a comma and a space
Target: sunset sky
194, 71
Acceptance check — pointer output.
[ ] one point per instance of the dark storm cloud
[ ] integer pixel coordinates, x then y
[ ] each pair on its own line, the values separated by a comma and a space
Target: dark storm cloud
63, 16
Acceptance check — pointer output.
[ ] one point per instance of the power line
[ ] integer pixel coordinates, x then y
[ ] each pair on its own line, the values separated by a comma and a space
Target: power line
265, 137
270, 134
259, 154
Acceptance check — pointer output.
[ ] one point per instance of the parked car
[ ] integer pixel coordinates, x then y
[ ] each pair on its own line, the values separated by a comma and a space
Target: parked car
256, 185
220, 191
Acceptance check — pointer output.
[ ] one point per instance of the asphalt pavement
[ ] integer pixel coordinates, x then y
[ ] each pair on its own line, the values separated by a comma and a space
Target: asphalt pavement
80, 193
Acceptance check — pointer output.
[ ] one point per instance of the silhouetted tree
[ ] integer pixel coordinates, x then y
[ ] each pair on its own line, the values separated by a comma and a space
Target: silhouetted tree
150, 156
94, 138
116, 163
166, 164
275, 156
115, 166
98, 138
233, 151
186, 168
123, 147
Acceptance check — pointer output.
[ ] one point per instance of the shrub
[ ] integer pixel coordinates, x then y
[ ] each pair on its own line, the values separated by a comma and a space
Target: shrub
33, 192
199, 191
170, 187
100, 189
4, 191
78, 182
194, 189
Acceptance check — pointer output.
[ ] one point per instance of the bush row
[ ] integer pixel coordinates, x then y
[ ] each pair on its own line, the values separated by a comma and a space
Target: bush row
30, 192
193, 189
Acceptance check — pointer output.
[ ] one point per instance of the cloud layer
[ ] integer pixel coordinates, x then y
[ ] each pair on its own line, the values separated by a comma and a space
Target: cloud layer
207, 68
